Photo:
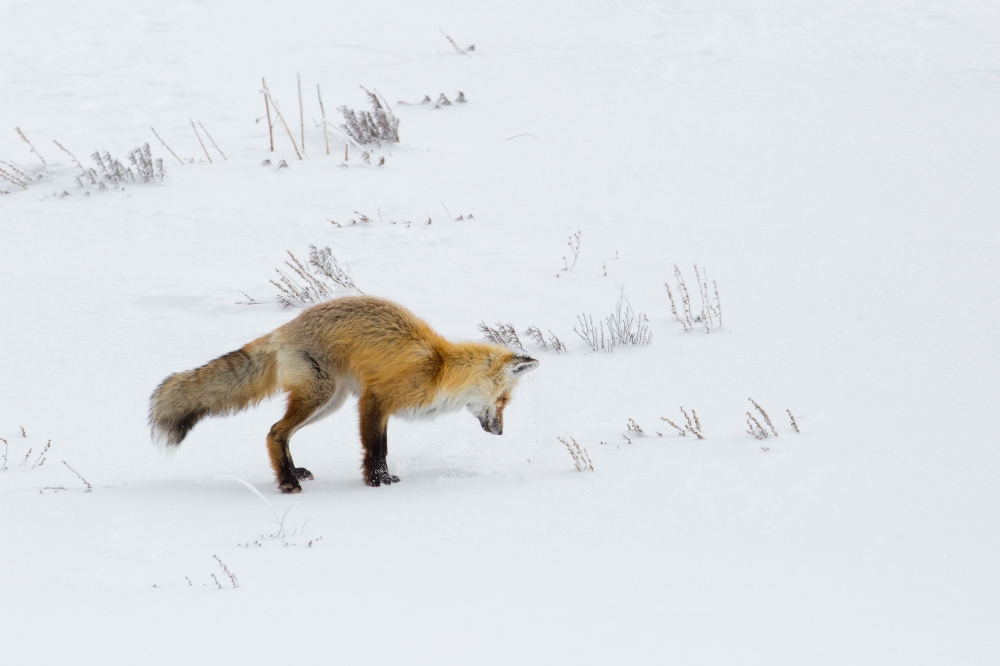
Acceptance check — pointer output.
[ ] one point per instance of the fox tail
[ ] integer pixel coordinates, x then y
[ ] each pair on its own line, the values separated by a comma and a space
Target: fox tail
227, 385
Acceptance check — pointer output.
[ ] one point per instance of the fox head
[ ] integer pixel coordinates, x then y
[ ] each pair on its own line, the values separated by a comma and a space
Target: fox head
492, 392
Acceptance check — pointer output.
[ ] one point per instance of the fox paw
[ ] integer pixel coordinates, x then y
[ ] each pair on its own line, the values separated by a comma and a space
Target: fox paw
301, 473
290, 487
382, 478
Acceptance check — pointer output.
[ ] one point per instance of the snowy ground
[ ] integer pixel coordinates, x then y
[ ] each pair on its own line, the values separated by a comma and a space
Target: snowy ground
833, 165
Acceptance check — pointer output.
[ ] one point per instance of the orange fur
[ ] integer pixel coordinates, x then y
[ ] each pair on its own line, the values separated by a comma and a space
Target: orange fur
370, 347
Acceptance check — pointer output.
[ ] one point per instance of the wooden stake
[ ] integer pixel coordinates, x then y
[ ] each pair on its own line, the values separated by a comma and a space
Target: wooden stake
267, 106
345, 151
322, 111
282, 119
200, 141
166, 146
302, 115
213, 141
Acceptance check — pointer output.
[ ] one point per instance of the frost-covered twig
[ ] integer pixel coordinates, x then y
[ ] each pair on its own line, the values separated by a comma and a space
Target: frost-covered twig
593, 335
627, 327
502, 334
710, 316
376, 126
553, 342
147, 168
323, 277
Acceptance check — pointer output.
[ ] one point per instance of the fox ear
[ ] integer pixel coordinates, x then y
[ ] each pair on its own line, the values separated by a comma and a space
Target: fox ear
522, 364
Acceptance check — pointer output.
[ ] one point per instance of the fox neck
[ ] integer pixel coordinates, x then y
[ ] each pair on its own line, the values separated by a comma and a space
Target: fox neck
467, 368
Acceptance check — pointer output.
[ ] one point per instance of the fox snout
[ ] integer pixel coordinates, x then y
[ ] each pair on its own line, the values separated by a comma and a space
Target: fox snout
492, 425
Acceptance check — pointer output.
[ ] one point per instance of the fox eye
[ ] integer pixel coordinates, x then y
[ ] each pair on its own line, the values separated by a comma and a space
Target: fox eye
523, 364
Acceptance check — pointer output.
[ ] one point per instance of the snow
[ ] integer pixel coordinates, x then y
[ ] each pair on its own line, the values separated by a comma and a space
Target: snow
832, 165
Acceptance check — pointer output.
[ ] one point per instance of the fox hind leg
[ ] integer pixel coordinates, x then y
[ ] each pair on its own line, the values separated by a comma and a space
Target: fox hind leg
302, 405
374, 438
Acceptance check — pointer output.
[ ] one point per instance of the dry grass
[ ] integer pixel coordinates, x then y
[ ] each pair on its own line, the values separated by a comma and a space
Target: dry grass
593, 335
624, 327
107, 173
40, 460
580, 457
457, 47
110, 171
321, 279
755, 428
45, 165
792, 417
709, 316
225, 570
506, 335
692, 425
767, 419
442, 101
376, 126
90, 488
553, 343
502, 334
574, 249
15, 175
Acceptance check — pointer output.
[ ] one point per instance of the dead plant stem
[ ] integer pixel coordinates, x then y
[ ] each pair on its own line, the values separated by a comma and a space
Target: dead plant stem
213, 141
165, 145
200, 141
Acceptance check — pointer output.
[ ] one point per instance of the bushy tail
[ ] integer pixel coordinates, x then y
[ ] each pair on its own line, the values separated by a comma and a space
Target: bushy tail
224, 386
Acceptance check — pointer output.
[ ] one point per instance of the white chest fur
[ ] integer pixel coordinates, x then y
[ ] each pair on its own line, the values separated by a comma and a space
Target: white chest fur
442, 404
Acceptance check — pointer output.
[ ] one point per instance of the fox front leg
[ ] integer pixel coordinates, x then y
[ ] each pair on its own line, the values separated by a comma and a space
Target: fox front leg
374, 438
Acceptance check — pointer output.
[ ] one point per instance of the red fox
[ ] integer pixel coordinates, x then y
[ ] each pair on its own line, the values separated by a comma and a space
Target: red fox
369, 347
